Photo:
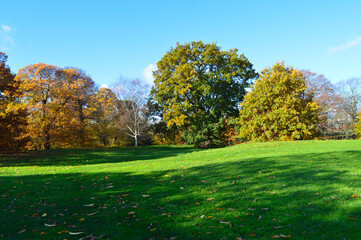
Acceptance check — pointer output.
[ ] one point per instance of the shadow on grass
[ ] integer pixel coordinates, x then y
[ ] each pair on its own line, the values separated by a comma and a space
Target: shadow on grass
71, 157
309, 196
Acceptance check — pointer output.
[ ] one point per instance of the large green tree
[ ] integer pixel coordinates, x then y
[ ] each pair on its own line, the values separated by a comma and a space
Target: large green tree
199, 87
278, 107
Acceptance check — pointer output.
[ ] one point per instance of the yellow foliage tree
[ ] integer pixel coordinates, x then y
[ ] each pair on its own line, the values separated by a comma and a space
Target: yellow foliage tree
57, 102
278, 108
12, 112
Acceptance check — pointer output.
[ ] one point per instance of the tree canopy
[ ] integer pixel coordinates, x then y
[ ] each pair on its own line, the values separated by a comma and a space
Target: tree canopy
278, 107
12, 113
199, 87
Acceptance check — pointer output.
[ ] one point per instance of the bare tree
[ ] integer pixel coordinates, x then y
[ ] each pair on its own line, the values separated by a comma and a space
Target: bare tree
328, 100
133, 96
350, 91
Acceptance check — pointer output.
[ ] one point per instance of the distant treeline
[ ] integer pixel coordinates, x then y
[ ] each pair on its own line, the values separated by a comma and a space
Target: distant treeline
201, 95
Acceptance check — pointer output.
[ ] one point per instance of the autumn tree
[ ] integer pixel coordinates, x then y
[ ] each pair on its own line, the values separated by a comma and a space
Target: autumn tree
76, 87
328, 100
133, 96
160, 132
105, 116
278, 107
12, 113
57, 103
199, 86
38, 83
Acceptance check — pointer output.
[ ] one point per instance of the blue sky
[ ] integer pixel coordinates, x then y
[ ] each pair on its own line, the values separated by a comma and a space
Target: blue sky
109, 39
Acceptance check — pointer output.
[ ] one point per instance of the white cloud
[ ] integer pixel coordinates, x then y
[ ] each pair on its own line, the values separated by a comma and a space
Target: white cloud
148, 73
345, 46
5, 28
104, 86
6, 40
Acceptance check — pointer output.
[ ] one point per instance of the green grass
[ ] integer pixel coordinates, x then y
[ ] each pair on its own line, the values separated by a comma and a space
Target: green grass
301, 190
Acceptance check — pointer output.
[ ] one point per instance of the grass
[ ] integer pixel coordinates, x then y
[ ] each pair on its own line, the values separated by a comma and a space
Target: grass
296, 190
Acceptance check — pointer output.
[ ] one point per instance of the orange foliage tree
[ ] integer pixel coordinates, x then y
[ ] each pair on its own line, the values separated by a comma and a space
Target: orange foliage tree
12, 112
57, 103
105, 108
76, 86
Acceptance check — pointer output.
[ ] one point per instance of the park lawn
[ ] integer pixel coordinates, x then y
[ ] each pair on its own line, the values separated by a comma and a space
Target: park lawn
295, 190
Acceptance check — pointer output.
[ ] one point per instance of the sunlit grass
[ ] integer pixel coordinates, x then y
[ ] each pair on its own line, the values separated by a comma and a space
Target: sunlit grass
301, 190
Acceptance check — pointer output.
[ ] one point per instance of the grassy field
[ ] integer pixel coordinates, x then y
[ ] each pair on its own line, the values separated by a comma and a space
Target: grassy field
295, 190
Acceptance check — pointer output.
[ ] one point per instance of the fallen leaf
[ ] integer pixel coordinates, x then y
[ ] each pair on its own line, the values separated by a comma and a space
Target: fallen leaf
202, 216
251, 234
278, 227
286, 236
351, 218
75, 233
89, 205
21, 231
50, 225
145, 195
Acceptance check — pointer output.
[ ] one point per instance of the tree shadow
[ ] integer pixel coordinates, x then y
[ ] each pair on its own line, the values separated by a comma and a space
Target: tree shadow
313, 196
71, 157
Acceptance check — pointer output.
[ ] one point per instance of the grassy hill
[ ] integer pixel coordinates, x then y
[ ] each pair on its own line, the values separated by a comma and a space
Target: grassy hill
296, 190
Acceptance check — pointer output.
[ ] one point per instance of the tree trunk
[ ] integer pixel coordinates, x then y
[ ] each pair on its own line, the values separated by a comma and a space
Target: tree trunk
136, 141
47, 141
82, 130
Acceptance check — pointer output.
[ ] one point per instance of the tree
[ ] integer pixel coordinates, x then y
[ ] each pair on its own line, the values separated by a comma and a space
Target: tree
12, 113
105, 114
357, 127
278, 107
328, 100
161, 134
133, 96
199, 86
350, 91
38, 83
76, 86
